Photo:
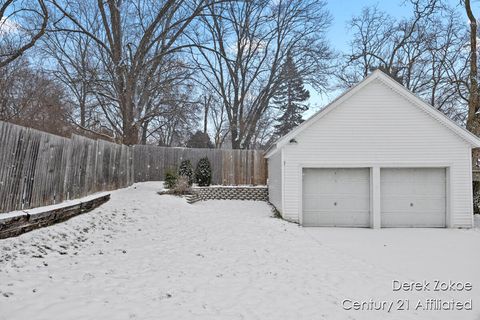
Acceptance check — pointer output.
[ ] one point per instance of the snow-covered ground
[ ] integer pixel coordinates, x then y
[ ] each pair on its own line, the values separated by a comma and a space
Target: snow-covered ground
146, 256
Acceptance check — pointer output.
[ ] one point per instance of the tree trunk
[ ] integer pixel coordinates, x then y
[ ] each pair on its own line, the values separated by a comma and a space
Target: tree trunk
234, 135
130, 128
130, 135
83, 112
235, 141
473, 120
144, 133
205, 116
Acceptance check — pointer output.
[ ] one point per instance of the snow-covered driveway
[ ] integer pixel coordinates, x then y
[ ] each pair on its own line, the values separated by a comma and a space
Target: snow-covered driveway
145, 256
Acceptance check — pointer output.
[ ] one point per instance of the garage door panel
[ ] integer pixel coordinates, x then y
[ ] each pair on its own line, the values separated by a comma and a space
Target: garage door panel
413, 197
405, 203
414, 219
338, 174
413, 187
347, 188
335, 202
333, 219
414, 175
336, 197
340, 183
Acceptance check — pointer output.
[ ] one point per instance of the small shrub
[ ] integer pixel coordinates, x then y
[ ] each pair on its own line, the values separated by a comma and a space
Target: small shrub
476, 203
182, 186
186, 170
203, 172
476, 197
170, 178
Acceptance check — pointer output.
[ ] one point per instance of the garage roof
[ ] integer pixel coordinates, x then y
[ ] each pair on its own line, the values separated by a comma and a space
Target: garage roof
473, 140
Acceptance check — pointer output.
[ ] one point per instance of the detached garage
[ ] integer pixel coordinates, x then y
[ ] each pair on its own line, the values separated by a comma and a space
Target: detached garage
377, 156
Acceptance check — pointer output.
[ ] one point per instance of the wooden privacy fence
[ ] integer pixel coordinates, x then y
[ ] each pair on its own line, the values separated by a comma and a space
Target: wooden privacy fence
38, 168
229, 167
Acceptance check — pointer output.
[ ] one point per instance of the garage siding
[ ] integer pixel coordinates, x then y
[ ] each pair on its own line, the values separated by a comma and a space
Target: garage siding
378, 126
275, 180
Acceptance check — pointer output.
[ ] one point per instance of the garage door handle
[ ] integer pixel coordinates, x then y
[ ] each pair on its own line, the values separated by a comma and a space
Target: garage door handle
334, 203
411, 204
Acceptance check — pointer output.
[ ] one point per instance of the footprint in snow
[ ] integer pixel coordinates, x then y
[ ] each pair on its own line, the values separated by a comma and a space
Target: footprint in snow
88, 276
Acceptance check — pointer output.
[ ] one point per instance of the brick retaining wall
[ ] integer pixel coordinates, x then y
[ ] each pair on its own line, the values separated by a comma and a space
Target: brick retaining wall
231, 193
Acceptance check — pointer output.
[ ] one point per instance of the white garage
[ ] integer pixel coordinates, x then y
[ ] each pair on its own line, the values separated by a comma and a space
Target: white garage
377, 156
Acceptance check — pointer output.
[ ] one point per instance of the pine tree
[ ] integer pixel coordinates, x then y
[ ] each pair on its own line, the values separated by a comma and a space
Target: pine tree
290, 98
186, 170
203, 173
170, 178
199, 140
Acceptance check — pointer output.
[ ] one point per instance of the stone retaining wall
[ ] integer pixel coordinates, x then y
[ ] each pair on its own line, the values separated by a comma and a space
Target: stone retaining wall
16, 223
231, 193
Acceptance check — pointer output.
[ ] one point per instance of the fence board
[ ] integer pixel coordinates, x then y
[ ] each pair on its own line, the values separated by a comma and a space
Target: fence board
38, 169
229, 167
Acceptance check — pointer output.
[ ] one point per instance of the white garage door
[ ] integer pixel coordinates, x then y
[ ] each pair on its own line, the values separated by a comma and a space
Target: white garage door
413, 197
336, 197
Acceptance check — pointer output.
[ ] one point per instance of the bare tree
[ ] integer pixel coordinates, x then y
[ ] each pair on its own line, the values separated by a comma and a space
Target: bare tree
436, 78
72, 65
173, 128
471, 84
246, 43
380, 41
217, 117
12, 80
133, 39
29, 97
22, 23
425, 52
372, 32
473, 119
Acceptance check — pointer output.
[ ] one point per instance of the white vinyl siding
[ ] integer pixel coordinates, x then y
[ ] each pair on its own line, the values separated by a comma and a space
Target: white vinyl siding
378, 127
275, 180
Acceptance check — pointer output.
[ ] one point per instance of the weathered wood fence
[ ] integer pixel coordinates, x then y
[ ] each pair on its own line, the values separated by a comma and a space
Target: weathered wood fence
229, 167
38, 168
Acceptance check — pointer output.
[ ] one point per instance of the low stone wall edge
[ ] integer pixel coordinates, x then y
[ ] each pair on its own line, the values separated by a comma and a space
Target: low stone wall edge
16, 225
231, 193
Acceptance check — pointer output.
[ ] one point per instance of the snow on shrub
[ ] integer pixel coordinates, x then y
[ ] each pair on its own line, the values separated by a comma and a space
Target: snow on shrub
186, 170
182, 186
203, 172
476, 202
